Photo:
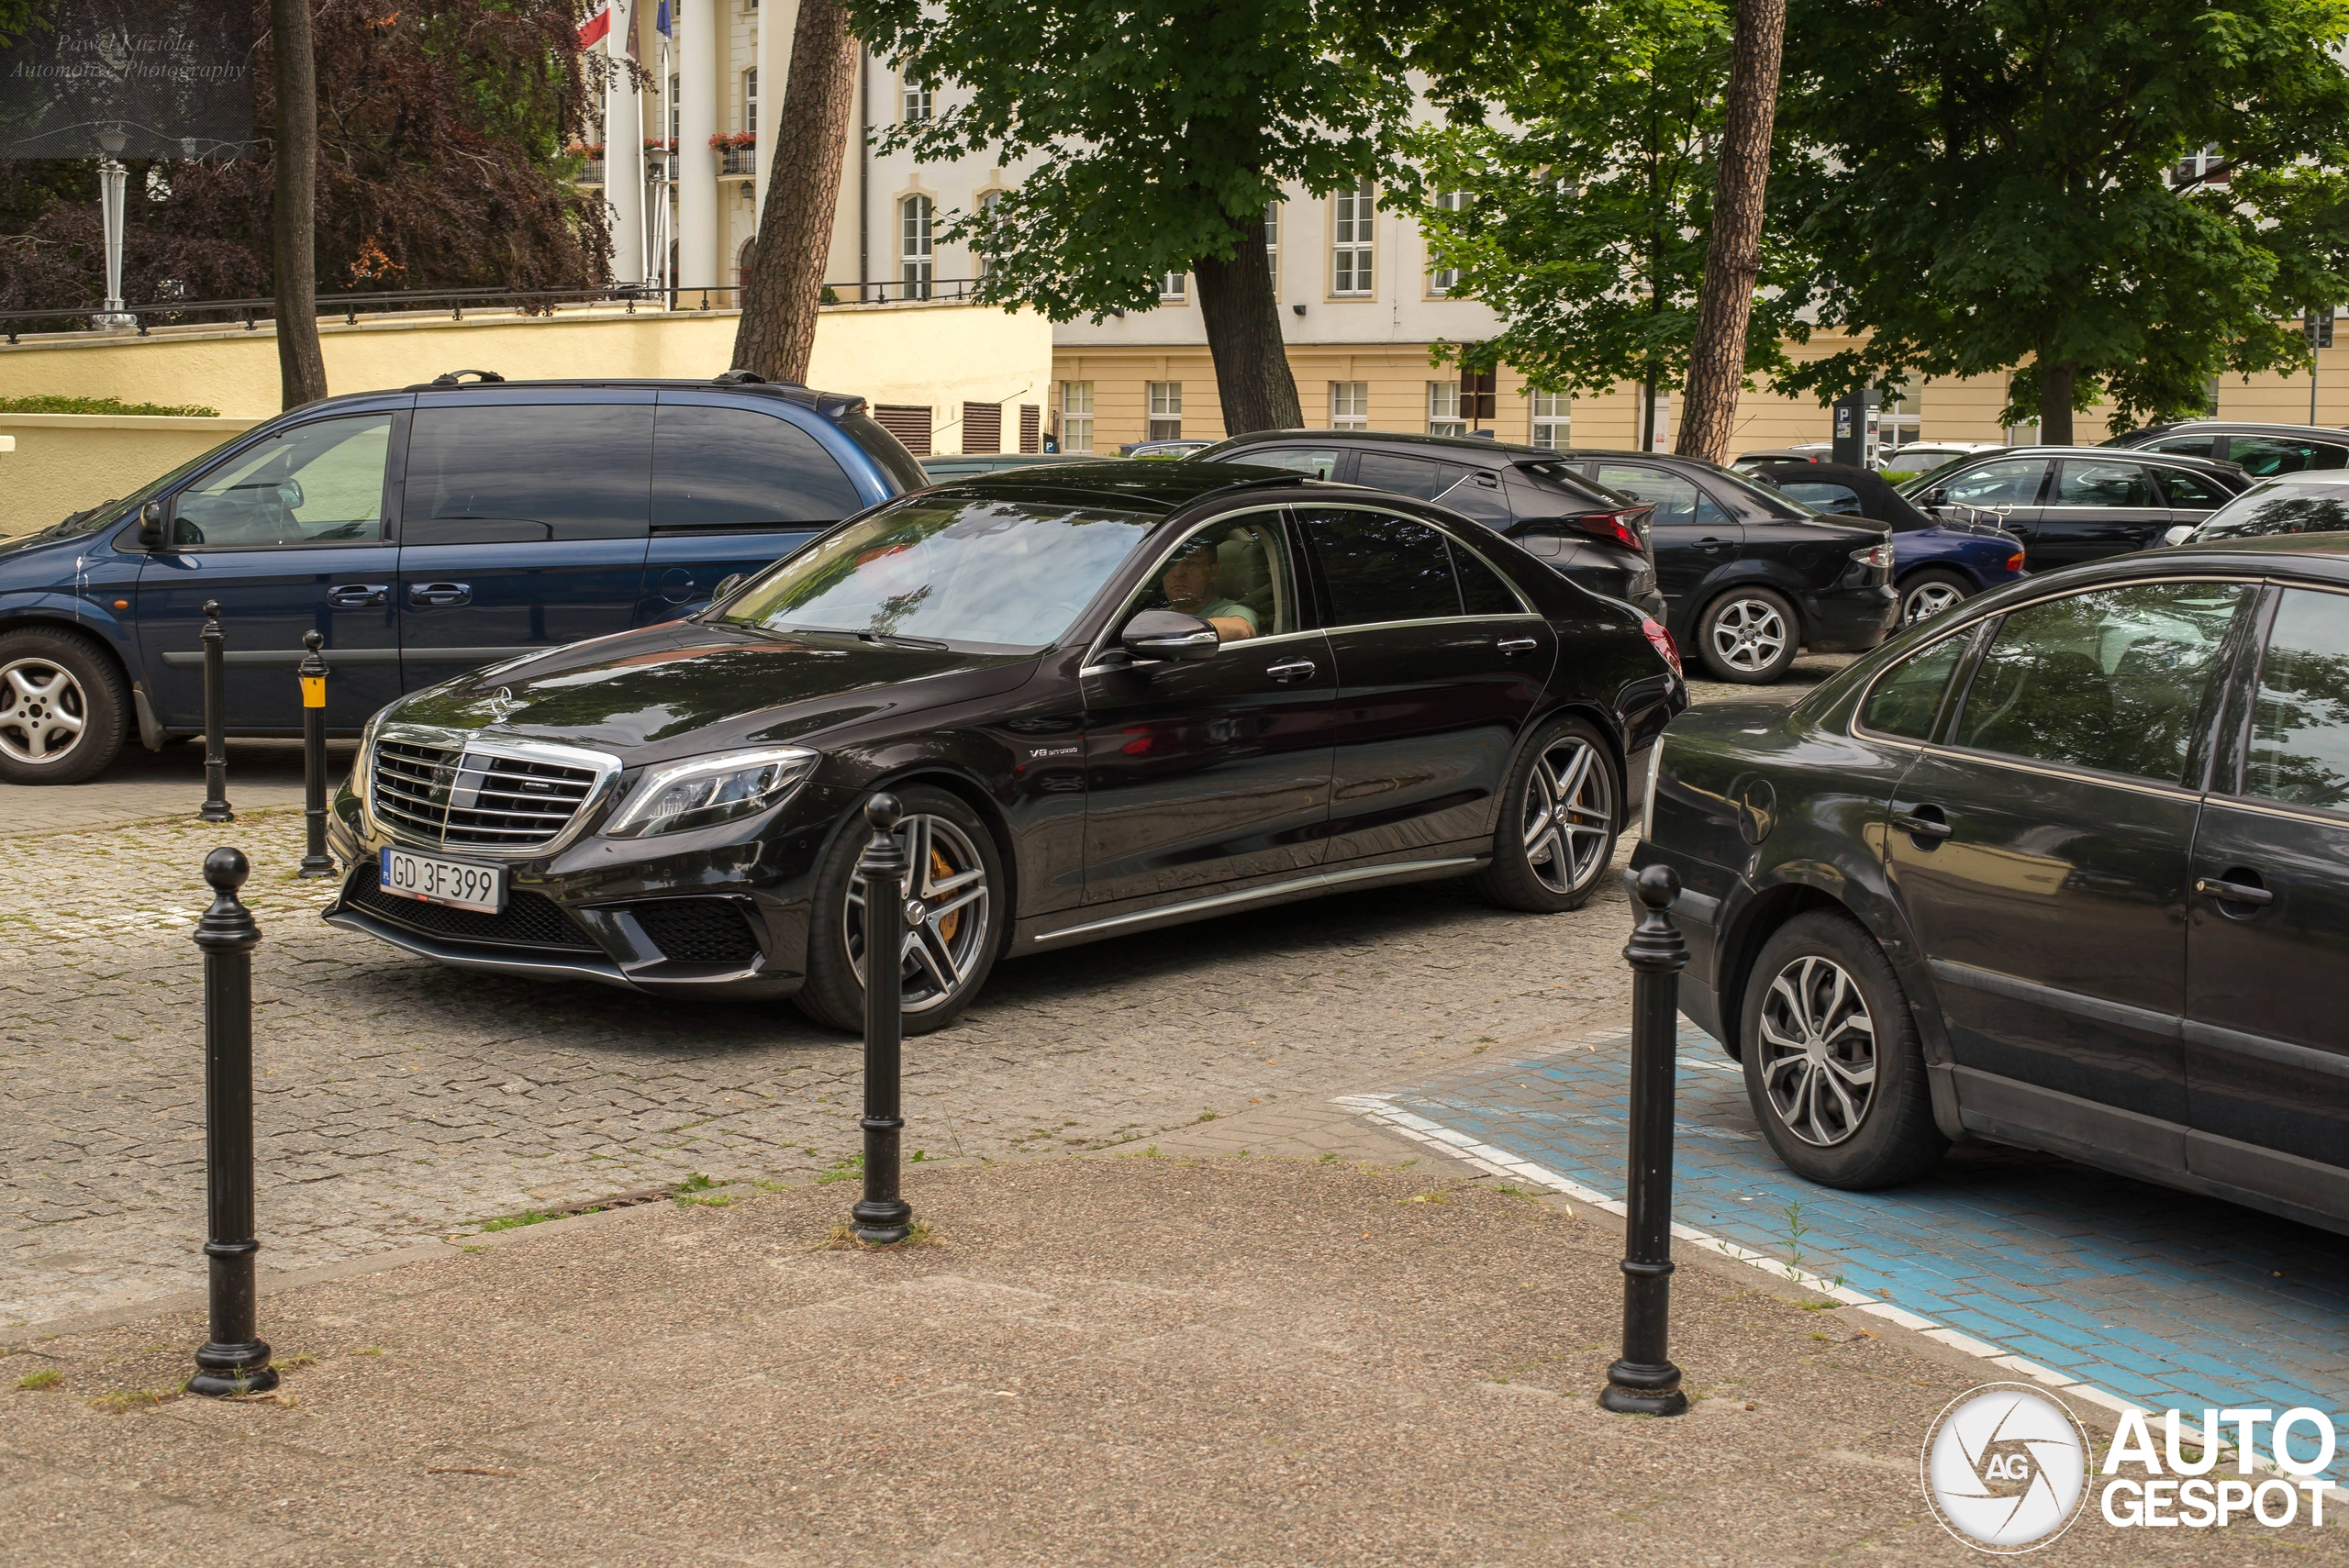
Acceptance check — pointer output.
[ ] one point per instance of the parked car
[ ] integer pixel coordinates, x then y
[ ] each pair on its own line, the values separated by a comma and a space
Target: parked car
422, 533
1802, 451
1176, 447
2312, 501
2260, 451
962, 465
1936, 563
1922, 457
1583, 530
2066, 867
1749, 575
1110, 698
2070, 505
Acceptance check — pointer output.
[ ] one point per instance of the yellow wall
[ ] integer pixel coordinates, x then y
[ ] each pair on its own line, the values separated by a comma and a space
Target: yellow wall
64, 462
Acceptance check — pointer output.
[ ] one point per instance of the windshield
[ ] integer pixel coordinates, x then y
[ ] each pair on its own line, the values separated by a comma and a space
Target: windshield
992, 574
2273, 508
1772, 500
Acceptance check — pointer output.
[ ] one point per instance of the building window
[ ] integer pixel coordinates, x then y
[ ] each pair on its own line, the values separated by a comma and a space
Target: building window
1443, 281
1272, 242
916, 103
1077, 417
677, 109
1169, 288
1350, 241
1165, 410
1554, 423
990, 208
746, 261
914, 247
1350, 405
1444, 409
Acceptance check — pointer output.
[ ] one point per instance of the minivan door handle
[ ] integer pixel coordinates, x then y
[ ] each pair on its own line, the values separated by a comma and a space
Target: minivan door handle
1295, 670
358, 595
440, 592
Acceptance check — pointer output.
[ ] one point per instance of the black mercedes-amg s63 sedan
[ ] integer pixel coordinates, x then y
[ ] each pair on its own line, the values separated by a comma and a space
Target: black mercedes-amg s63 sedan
1111, 696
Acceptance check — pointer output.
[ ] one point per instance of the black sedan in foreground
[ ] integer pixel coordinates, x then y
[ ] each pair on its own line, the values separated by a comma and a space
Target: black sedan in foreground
1111, 696
2066, 867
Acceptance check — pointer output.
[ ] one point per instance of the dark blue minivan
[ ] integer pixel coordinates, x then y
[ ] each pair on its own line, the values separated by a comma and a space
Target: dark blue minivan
423, 533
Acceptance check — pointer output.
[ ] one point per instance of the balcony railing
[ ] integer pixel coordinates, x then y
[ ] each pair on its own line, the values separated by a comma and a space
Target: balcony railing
737, 161
592, 174
456, 303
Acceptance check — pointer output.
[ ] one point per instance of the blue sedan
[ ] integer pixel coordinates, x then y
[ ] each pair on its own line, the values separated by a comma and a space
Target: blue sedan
1935, 563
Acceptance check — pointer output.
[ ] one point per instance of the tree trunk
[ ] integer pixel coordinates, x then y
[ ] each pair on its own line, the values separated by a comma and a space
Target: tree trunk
1733, 254
301, 368
2055, 384
1243, 322
777, 331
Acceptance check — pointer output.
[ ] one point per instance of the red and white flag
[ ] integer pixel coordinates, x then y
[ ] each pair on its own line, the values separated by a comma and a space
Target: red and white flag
598, 26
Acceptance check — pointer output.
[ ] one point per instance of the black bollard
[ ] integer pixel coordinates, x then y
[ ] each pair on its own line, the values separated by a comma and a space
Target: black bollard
316, 861
881, 1215
1645, 1382
235, 1362
216, 718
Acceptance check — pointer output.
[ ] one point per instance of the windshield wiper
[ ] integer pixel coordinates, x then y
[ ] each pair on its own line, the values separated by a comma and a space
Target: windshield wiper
902, 641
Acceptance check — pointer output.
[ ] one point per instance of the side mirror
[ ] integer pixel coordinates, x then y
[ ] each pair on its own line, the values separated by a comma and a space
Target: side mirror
1936, 496
289, 493
726, 586
155, 525
1169, 635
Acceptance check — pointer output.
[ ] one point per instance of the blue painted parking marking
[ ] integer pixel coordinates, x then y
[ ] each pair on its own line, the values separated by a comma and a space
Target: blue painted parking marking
2164, 1299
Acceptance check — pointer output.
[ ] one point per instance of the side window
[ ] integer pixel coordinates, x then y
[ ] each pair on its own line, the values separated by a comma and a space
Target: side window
1378, 567
1414, 477
2186, 446
1481, 592
1907, 699
1318, 461
730, 468
317, 483
2261, 456
1821, 495
1676, 498
2299, 724
2278, 508
1235, 574
522, 473
2092, 482
2008, 482
2191, 492
2111, 679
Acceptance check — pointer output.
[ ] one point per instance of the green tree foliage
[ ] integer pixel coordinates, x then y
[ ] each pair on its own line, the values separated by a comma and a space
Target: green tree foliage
1988, 185
1587, 201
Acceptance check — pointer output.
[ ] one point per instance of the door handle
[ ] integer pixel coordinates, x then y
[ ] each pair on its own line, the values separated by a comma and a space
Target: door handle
2234, 892
440, 592
358, 595
1513, 646
1295, 670
1713, 542
1919, 824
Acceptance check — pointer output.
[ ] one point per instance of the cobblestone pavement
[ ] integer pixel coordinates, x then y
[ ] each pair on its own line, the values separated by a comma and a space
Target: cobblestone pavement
399, 1100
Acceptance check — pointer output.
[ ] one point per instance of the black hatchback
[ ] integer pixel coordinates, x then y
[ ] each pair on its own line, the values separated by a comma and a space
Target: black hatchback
2066, 867
1111, 697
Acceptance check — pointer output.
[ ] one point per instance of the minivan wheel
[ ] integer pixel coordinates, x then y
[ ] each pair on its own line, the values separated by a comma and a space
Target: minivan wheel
1833, 1068
1926, 594
61, 706
1748, 636
955, 914
1556, 836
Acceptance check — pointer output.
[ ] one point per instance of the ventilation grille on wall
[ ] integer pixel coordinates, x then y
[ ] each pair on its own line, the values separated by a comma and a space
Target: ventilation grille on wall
982, 426
907, 423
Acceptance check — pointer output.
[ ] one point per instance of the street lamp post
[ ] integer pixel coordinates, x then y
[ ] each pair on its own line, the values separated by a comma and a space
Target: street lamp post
112, 179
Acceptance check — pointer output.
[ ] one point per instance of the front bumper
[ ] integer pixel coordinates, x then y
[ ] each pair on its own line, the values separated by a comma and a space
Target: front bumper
1850, 620
692, 914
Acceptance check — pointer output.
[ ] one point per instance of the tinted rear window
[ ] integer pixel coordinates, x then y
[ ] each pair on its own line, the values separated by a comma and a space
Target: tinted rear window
885, 449
535, 471
729, 468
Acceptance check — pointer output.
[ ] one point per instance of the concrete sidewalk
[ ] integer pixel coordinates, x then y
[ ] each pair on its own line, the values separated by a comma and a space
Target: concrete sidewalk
1169, 1358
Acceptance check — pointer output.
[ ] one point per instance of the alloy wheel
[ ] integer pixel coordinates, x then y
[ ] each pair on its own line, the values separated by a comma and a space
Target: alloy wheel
1818, 1051
1568, 815
946, 913
43, 712
1927, 600
1749, 634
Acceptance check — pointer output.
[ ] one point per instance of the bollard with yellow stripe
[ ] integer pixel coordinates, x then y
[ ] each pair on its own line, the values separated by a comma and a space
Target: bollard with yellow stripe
316, 861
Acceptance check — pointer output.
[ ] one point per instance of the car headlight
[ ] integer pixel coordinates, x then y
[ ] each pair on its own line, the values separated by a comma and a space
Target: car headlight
710, 790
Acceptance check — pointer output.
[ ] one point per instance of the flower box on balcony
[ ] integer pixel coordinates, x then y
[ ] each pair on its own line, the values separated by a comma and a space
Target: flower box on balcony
737, 152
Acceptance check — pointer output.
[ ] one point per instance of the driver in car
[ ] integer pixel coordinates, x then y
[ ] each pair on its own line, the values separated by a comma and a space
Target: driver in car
1192, 584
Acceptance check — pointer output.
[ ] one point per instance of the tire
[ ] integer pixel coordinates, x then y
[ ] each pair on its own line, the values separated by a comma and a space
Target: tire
1549, 857
1926, 594
1748, 636
1826, 1123
62, 702
948, 842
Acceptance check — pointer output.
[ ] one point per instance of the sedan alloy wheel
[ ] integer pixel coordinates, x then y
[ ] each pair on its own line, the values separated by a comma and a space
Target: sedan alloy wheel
1569, 815
1819, 1051
1749, 634
946, 913
1927, 599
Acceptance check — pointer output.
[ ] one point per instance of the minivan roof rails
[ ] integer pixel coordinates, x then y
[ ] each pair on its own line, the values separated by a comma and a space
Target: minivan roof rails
739, 377
457, 378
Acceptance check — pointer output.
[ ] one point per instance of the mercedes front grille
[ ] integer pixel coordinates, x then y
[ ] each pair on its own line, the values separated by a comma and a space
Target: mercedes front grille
502, 797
